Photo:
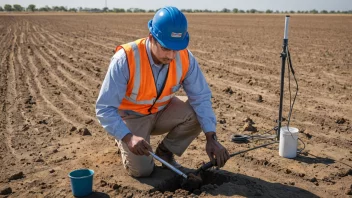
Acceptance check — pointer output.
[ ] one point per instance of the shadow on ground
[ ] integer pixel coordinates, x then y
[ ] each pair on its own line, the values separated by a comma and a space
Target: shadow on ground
316, 159
313, 159
220, 182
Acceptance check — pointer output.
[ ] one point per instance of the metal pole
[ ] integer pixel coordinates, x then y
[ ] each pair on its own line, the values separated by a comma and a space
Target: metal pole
168, 165
283, 60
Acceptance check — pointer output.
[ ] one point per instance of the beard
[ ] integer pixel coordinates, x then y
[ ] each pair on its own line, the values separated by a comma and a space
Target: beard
165, 60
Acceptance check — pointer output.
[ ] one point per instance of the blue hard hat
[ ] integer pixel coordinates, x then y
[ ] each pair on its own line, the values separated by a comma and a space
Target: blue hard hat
169, 28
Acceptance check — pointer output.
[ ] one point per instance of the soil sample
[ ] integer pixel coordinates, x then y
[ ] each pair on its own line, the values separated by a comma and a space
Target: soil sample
192, 182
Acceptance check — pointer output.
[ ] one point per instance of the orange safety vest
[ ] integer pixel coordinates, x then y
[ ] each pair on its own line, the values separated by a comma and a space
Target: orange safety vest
141, 95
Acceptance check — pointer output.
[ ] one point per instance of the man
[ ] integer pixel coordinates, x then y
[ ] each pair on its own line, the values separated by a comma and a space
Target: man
137, 99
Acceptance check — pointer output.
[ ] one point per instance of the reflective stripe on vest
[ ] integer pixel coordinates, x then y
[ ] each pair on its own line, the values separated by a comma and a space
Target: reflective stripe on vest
137, 78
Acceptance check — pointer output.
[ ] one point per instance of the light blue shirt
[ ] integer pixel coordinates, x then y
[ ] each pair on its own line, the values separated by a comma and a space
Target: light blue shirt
115, 84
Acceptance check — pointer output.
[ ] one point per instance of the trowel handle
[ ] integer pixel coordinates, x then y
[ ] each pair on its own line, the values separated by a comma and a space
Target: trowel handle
168, 165
207, 166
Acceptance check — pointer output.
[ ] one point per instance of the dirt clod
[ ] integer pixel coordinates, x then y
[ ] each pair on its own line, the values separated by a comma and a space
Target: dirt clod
313, 179
249, 127
115, 186
228, 90
38, 160
288, 171
193, 182
129, 195
222, 121
30, 100
103, 183
6, 191
248, 120
42, 122
84, 131
89, 121
344, 172
57, 92
349, 190
308, 135
16, 176
340, 120
25, 127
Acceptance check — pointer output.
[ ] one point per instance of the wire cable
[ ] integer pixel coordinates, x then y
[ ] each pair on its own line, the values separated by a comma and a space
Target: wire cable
292, 102
290, 68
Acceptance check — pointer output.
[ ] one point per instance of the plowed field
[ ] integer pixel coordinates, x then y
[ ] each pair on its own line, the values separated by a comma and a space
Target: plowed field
52, 67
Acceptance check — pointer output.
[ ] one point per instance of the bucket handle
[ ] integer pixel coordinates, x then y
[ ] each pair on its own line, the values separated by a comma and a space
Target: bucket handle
304, 146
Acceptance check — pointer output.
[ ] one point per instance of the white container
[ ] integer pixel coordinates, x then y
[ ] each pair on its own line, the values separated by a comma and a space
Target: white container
288, 142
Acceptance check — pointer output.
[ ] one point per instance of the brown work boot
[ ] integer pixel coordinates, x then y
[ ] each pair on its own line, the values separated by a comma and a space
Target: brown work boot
166, 155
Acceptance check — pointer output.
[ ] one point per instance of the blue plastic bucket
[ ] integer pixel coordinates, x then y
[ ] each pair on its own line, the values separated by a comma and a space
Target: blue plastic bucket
81, 182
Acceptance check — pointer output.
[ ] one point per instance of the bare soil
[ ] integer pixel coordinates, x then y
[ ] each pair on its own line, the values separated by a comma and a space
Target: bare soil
52, 67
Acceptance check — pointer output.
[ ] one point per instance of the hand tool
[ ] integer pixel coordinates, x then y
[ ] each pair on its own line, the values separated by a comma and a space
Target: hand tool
211, 164
168, 165
245, 138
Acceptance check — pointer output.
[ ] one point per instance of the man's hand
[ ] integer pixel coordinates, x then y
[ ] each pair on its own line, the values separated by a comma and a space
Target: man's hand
216, 151
137, 145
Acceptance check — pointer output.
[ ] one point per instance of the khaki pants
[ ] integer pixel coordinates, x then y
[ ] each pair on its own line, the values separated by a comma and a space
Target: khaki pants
178, 119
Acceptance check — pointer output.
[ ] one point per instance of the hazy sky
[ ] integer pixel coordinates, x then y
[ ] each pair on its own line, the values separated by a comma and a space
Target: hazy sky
282, 5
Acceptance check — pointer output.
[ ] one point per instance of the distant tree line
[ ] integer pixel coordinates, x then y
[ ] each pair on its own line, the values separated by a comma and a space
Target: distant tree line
33, 8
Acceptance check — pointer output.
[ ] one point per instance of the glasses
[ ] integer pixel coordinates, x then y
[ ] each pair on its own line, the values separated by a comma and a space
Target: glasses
162, 48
